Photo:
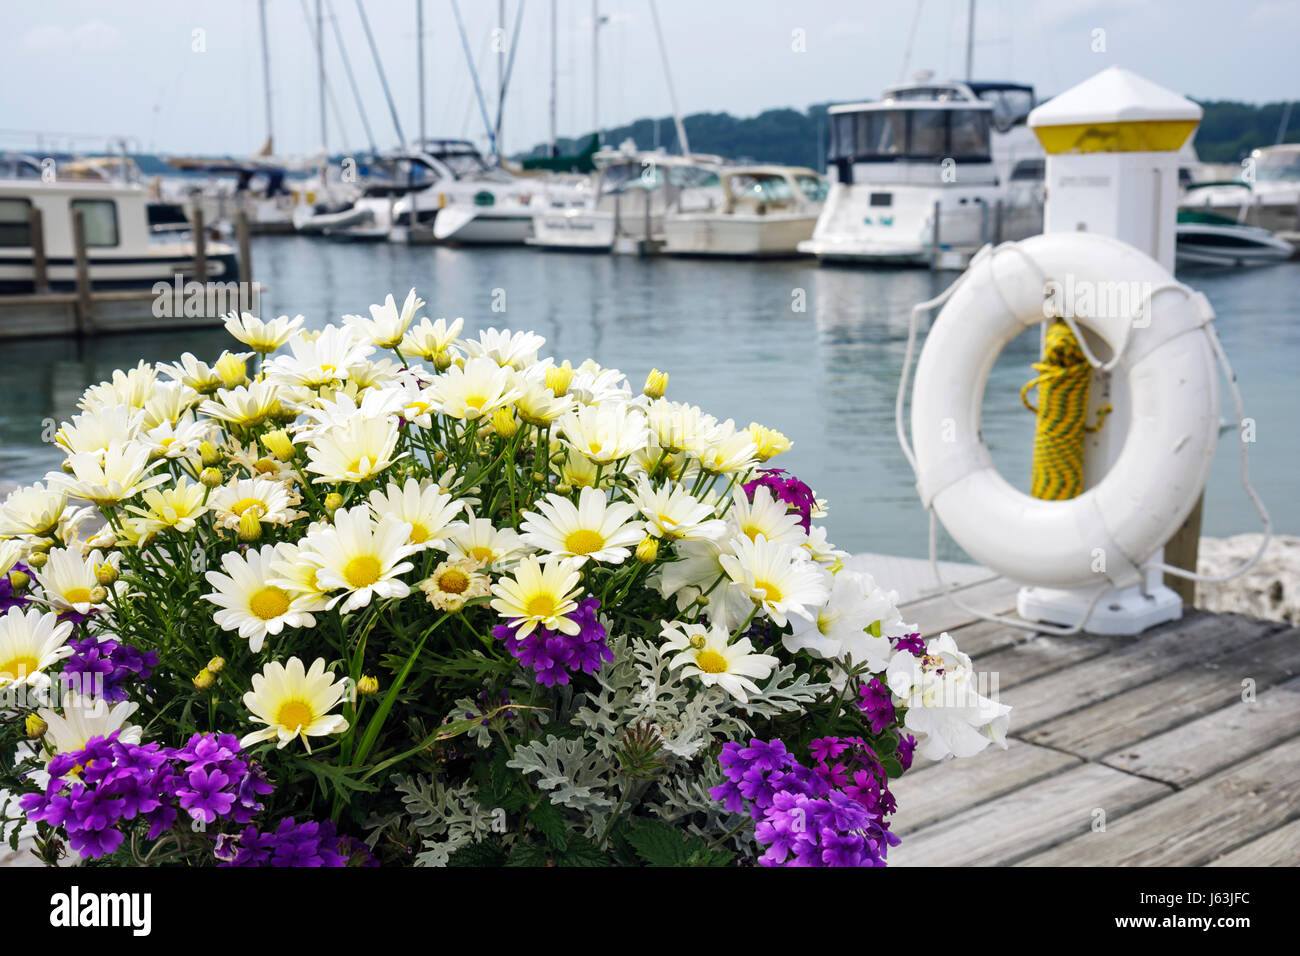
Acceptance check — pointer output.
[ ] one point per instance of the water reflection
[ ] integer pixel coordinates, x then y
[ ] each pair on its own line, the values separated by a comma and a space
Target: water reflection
812, 351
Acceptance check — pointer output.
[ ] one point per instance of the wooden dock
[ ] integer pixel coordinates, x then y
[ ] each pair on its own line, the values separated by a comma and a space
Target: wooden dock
1178, 747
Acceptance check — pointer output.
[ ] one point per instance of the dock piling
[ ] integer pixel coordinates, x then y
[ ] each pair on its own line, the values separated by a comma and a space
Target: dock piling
84, 305
200, 246
40, 265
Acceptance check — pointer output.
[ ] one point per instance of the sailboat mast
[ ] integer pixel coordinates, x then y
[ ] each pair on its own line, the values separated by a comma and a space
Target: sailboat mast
554, 151
682, 142
970, 40
266, 72
419, 59
383, 77
320, 75
595, 70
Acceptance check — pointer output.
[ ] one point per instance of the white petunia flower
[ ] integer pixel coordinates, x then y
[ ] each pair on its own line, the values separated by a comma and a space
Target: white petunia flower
945, 707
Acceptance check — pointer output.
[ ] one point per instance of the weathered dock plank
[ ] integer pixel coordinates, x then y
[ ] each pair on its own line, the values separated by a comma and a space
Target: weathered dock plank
1181, 696
1039, 655
1215, 741
1191, 827
1280, 847
936, 614
1131, 663
1028, 820
938, 791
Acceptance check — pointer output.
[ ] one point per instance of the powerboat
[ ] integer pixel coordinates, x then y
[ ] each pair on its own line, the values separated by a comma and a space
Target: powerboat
1205, 238
932, 166
122, 250
766, 212
628, 200
1268, 196
437, 189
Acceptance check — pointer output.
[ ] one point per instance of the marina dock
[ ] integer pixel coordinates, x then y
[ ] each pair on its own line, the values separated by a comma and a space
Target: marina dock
1123, 751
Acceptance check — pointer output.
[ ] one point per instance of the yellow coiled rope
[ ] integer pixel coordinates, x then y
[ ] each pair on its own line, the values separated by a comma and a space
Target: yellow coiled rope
1063, 378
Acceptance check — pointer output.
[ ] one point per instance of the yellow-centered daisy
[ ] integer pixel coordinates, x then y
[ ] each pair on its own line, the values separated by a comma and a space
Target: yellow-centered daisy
250, 603
539, 594
595, 528
294, 703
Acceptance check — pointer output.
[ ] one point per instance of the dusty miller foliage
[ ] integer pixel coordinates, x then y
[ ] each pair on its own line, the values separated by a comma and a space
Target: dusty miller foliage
577, 765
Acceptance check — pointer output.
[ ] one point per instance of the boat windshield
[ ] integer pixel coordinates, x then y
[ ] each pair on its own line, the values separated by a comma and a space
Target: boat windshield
815, 188
465, 164
911, 134
1278, 168
764, 188
1010, 106
649, 175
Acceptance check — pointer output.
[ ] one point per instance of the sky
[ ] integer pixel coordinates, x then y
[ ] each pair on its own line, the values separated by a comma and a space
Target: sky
181, 76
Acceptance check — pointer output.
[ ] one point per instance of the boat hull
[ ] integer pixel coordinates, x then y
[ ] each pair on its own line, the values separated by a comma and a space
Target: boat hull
17, 275
736, 235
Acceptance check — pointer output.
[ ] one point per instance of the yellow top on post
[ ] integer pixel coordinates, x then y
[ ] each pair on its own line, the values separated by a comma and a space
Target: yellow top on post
1115, 111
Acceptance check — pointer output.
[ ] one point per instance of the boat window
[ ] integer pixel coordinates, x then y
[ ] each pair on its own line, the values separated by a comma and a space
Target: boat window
692, 176
1028, 169
970, 134
1010, 106
101, 220
928, 134
815, 188
14, 228
843, 143
885, 133
1283, 168
761, 188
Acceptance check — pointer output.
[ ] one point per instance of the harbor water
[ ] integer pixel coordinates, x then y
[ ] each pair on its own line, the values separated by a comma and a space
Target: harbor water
812, 351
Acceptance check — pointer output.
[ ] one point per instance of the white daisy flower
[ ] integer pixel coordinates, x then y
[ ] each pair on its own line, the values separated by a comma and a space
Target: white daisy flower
673, 512
605, 433
454, 582
177, 507
250, 603
728, 450
707, 653
294, 703
169, 401
354, 452
430, 339
85, 716
95, 431
945, 707
122, 472
539, 594
127, 387
765, 516
179, 439
387, 324
271, 499
361, 557
262, 337
31, 642
595, 528
539, 406
517, 350
593, 385
475, 539
422, 505
476, 390
776, 578
329, 357
33, 509
198, 375
246, 405
67, 579
679, 428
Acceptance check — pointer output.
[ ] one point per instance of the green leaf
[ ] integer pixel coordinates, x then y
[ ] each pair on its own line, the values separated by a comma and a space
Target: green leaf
893, 768
341, 779
528, 854
483, 853
547, 817
658, 843
581, 852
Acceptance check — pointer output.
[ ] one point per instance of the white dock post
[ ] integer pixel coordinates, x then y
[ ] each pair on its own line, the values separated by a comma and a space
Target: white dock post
1112, 168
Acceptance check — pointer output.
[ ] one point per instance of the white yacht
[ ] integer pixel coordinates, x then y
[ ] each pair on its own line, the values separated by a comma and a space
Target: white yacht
1270, 198
122, 250
440, 189
628, 200
766, 212
1208, 239
959, 149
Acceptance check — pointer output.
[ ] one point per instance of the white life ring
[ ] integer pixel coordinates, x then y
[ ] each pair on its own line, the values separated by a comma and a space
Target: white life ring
1162, 468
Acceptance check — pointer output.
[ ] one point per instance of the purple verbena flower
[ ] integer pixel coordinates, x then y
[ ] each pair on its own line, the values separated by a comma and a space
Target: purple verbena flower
554, 656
